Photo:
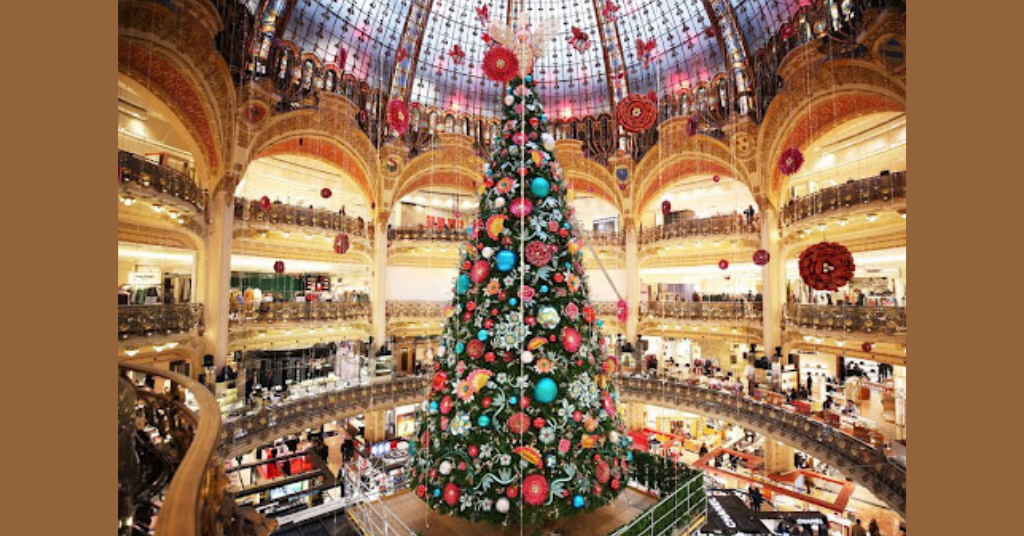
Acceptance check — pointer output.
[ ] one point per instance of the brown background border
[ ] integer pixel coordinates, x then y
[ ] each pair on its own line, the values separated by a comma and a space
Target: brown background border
967, 301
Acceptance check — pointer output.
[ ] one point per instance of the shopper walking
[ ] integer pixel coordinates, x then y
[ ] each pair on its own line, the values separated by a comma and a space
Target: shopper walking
858, 529
873, 528
756, 499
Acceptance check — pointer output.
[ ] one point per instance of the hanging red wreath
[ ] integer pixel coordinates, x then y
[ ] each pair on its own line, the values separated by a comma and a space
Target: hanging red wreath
666, 207
636, 113
787, 31
866, 347
398, 115
723, 264
826, 266
790, 161
279, 267
761, 257
691, 126
326, 193
265, 203
500, 64
341, 244
716, 178
622, 310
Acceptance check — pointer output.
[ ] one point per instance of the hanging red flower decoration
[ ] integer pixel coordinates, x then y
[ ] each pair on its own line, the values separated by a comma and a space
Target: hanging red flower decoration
440, 381
579, 40
538, 253
787, 31
341, 244
265, 203
716, 178
622, 310
691, 126
589, 314
326, 193
521, 207
481, 269
483, 16
451, 494
519, 423
761, 257
790, 161
398, 116
401, 55
866, 347
475, 348
571, 340
457, 54
645, 50
500, 64
826, 266
603, 472
723, 264
666, 207
636, 113
610, 11
279, 267
535, 490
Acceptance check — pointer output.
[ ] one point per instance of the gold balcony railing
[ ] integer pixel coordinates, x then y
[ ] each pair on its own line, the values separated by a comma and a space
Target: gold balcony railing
704, 311
848, 318
138, 170
427, 234
185, 442
849, 194
864, 463
715, 226
282, 312
146, 320
249, 210
415, 309
604, 238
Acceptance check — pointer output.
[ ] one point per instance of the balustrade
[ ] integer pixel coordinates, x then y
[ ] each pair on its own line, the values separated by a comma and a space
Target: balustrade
603, 238
415, 309
281, 312
719, 226
247, 210
138, 170
849, 318
706, 311
427, 234
849, 194
146, 320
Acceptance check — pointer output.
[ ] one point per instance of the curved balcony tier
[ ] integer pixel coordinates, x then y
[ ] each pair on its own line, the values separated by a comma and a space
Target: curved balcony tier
883, 191
724, 320
699, 241
299, 312
280, 216
160, 185
863, 463
154, 320
875, 320
244, 433
406, 318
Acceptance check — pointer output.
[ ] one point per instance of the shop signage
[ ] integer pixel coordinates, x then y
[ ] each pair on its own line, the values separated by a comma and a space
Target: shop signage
722, 514
144, 278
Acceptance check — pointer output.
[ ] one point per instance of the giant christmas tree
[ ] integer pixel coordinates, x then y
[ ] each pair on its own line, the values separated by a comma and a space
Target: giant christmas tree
520, 425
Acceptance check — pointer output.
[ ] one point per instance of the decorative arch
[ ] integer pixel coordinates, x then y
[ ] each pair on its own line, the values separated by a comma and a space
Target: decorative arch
325, 150
461, 170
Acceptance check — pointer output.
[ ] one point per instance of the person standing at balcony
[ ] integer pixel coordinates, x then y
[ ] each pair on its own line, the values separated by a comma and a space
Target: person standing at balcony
860, 298
858, 529
749, 213
756, 500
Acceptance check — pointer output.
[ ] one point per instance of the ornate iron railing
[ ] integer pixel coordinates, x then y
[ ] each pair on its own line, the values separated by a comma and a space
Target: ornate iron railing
715, 226
145, 320
705, 311
848, 318
193, 503
415, 309
849, 194
281, 312
865, 464
604, 238
428, 234
135, 169
247, 210
248, 431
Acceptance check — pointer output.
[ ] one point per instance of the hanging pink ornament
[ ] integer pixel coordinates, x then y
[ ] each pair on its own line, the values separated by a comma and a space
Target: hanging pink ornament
622, 310
716, 178
279, 267
666, 207
790, 161
521, 207
326, 193
341, 244
761, 257
723, 264
265, 203
866, 347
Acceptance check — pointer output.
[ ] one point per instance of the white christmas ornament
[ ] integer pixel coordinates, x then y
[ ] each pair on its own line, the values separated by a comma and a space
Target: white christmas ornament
440, 351
527, 357
548, 140
509, 99
445, 468
501, 505
613, 436
499, 202
487, 252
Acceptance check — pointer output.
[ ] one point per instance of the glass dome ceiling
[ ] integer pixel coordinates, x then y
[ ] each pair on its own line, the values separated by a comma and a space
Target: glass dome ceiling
367, 34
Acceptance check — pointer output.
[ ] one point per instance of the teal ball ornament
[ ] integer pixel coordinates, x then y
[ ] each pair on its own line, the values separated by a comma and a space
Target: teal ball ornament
545, 391
437, 492
482, 335
433, 406
540, 187
505, 260
484, 421
513, 401
460, 347
512, 301
579, 501
463, 284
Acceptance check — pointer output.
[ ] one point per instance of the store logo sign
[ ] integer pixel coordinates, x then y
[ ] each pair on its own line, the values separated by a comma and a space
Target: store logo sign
725, 517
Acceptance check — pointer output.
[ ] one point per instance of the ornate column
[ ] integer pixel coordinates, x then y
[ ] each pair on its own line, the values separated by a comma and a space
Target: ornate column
773, 276
218, 271
632, 282
778, 456
378, 294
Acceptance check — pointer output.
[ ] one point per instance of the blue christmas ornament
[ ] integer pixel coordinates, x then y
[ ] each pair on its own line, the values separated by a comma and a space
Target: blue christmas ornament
540, 187
433, 406
437, 492
460, 347
550, 460
463, 284
483, 421
505, 260
513, 401
543, 288
545, 391
529, 78
566, 225
482, 334
600, 323
512, 301
579, 501
629, 455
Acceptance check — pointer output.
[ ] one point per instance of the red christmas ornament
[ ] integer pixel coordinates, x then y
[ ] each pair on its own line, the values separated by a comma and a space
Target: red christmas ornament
474, 451
636, 113
589, 314
279, 267
481, 269
265, 203
787, 31
603, 472
326, 193
666, 207
398, 116
866, 347
537, 253
761, 257
446, 405
723, 264
451, 494
440, 380
622, 310
691, 126
571, 340
512, 492
518, 423
500, 64
521, 207
475, 348
535, 490
716, 178
421, 490
790, 161
538, 423
826, 266
341, 244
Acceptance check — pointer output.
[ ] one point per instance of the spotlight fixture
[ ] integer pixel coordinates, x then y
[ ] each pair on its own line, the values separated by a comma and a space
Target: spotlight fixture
131, 351
872, 217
